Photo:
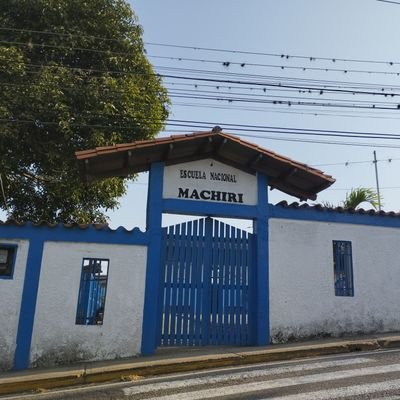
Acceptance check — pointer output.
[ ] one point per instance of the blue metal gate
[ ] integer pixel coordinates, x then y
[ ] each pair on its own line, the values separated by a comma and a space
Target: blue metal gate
207, 285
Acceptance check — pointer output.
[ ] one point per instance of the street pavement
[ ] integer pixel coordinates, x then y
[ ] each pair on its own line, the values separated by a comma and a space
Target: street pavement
367, 375
251, 380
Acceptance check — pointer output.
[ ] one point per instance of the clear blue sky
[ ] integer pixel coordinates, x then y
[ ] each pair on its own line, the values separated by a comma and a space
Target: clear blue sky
340, 29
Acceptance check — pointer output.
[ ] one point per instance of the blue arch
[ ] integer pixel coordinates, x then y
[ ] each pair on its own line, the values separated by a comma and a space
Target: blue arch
156, 206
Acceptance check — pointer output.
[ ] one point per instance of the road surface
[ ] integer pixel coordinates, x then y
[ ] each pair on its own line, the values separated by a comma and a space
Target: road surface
372, 375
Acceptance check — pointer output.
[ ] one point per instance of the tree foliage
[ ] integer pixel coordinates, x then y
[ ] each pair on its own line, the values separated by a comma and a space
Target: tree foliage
355, 197
73, 75
360, 195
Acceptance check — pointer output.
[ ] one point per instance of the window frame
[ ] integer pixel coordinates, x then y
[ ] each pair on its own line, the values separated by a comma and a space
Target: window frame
83, 315
343, 274
11, 261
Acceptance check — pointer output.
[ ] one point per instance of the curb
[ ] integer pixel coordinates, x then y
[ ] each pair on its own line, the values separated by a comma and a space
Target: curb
131, 371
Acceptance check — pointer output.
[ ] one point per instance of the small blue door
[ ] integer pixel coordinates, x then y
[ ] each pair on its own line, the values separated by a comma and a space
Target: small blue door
207, 286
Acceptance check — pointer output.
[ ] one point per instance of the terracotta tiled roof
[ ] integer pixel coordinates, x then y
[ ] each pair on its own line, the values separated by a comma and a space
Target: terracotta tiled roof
285, 174
320, 207
45, 224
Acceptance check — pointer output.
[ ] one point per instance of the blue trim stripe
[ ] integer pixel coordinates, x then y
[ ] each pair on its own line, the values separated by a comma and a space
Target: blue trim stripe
208, 209
262, 264
326, 215
154, 230
60, 233
28, 304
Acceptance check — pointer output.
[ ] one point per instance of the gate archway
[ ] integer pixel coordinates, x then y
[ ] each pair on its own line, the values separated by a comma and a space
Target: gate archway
210, 174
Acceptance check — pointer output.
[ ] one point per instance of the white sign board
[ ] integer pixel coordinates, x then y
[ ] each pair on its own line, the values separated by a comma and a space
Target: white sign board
209, 180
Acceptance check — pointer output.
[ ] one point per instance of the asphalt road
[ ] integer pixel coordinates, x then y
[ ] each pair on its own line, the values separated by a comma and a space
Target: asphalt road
370, 375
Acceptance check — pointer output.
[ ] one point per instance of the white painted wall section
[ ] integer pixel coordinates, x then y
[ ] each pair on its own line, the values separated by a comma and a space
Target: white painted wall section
10, 299
56, 338
302, 294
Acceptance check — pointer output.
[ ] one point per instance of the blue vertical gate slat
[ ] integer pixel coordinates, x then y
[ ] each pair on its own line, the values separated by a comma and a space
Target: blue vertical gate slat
218, 282
252, 313
180, 284
199, 284
193, 283
168, 287
232, 288
243, 263
225, 267
187, 286
207, 287
215, 284
174, 286
221, 283
242, 285
238, 303
246, 271
163, 284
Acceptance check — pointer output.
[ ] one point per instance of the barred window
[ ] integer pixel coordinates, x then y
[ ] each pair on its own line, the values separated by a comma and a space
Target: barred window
343, 268
7, 260
92, 291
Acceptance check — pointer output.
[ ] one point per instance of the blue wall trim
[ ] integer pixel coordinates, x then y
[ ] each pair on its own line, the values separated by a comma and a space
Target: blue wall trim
208, 208
28, 304
59, 233
326, 215
154, 230
262, 268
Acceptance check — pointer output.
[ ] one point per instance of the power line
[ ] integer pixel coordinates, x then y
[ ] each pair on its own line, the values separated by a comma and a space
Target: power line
317, 85
287, 110
231, 127
281, 55
347, 163
209, 61
389, 1
275, 66
198, 48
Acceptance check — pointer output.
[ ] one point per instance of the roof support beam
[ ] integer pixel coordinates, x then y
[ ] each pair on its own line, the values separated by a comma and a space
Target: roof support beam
128, 159
288, 174
252, 164
168, 152
206, 147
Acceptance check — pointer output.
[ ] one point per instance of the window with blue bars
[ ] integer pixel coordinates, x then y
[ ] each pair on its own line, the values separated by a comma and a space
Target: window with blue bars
92, 291
7, 260
343, 268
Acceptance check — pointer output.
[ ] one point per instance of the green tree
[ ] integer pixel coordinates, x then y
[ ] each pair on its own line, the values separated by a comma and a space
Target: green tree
360, 195
355, 197
73, 75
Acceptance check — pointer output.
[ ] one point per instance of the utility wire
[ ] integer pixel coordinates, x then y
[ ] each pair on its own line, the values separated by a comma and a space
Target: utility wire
281, 55
262, 80
389, 1
231, 127
208, 61
198, 48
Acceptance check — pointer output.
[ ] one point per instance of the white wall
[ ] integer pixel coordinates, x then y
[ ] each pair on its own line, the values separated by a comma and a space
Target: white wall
10, 299
302, 294
56, 338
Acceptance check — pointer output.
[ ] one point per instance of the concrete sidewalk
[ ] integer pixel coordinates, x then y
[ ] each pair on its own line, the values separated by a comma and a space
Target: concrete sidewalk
174, 360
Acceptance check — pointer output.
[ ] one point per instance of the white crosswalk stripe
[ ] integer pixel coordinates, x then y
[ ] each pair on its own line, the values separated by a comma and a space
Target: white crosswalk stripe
356, 390
247, 388
338, 377
208, 380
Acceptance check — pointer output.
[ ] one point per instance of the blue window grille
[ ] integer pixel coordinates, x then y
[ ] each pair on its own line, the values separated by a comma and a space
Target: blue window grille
92, 291
343, 268
7, 260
